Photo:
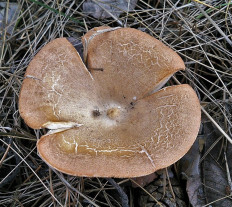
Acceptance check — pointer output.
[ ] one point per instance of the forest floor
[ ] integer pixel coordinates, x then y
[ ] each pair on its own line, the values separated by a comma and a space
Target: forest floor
199, 31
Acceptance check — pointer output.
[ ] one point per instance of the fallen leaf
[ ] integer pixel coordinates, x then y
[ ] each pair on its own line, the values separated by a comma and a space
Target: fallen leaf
190, 168
107, 8
214, 168
10, 11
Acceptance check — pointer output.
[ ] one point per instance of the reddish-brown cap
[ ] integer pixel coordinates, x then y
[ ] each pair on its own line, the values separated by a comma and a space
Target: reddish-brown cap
105, 122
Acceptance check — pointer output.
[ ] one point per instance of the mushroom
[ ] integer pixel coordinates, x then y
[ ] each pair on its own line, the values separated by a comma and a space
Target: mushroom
109, 119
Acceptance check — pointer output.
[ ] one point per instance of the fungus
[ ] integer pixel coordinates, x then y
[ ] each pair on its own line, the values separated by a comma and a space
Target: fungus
114, 122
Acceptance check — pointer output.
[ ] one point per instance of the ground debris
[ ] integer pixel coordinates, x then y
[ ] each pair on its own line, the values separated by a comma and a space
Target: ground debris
144, 180
214, 168
191, 171
160, 193
107, 8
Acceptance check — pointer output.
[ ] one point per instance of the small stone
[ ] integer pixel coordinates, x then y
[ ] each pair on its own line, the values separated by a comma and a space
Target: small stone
161, 189
170, 202
168, 194
178, 192
151, 188
159, 205
159, 182
156, 195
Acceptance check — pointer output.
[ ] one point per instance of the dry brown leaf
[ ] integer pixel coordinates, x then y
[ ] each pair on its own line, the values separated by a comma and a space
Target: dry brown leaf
190, 168
214, 169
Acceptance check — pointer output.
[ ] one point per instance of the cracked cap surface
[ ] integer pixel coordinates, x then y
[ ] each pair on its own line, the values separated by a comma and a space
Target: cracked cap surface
113, 127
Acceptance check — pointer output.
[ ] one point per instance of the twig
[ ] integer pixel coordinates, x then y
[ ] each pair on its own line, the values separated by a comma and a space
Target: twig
123, 195
228, 172
160, 204
74, 189
211, 119
23, 160
216, 125
213, 23
170, 184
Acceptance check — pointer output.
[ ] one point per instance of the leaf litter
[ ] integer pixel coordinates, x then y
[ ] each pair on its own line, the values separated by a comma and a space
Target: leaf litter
200, 31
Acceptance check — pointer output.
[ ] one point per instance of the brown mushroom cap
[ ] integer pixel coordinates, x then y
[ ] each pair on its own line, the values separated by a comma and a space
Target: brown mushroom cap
134, 62
124, 132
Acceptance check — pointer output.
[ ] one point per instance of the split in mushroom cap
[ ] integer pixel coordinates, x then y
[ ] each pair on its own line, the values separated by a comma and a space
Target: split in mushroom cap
109, 124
